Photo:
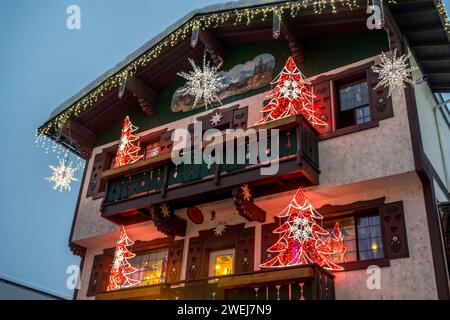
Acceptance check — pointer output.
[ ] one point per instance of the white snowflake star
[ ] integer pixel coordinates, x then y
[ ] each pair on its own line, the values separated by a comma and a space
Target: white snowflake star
202, 83
290, 90
246, 192
394, 72
216, 118
62, 176
165, 210
220, 229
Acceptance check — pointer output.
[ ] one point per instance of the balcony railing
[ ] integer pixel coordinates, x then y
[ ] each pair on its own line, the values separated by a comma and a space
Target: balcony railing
158, 179
308, 282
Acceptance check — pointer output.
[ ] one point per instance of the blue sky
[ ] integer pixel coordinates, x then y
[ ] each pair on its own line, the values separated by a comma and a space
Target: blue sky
42, 63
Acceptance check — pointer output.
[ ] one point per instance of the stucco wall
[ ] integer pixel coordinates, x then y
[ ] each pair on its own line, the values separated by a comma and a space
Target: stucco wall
407, 278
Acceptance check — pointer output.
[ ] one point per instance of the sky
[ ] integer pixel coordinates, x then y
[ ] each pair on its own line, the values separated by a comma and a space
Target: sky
42, 63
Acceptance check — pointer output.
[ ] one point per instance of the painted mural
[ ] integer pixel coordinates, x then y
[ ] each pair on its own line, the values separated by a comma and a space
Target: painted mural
253, 74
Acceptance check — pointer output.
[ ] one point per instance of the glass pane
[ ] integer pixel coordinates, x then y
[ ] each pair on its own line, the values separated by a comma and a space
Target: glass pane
369, 237
223, 265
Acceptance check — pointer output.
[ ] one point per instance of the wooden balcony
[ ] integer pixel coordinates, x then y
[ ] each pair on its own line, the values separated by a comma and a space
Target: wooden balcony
132, 190
308, 282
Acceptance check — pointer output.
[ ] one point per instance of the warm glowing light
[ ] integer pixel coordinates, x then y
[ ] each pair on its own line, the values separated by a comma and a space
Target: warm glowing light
374, 246
217, 267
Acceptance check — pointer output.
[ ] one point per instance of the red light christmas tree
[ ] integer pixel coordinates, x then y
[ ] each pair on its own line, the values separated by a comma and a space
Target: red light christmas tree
291, 96
129, 145
302, 239
121, 268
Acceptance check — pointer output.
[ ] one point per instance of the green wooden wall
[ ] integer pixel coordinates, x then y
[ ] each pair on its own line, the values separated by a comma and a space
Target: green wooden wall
320, 55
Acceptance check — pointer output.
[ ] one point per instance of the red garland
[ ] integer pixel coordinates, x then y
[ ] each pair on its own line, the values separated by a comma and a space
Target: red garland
121, 268
291, 96
129, 145
301, 238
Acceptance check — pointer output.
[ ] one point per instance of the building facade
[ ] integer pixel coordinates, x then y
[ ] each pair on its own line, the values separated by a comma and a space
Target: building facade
379, 168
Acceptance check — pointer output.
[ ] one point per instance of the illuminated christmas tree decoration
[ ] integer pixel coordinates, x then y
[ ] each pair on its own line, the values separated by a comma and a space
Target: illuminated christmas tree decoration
62, 176
129, 145
292, 95
202, 83
121, 267
302, 240
394, 72
220, 229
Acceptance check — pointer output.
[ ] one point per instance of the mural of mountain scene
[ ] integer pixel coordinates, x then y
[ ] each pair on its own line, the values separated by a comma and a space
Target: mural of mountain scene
242, 78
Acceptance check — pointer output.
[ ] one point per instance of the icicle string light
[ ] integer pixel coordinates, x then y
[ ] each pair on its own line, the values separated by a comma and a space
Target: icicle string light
203, 22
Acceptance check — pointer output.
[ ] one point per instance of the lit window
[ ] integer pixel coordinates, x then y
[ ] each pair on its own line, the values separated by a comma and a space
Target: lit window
151, 267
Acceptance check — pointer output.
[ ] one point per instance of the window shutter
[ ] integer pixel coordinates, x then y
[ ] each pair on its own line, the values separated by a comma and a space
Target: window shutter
174, 260
245, 250
96, 273
194, 263
380, 103
395, 241
322, 104
95, 179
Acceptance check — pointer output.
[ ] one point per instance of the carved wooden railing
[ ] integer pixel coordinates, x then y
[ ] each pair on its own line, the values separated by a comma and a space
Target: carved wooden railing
308, 282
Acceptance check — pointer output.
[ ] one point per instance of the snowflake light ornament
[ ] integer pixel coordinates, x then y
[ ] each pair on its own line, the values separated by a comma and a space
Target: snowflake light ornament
62, 176
394, 72
202, 83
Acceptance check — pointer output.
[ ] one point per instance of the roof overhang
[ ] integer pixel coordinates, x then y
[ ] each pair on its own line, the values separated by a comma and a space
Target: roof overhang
424, 24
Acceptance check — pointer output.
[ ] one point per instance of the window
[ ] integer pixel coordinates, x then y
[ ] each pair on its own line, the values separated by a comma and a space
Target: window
362, 235
151, 267
221, 263
353, 104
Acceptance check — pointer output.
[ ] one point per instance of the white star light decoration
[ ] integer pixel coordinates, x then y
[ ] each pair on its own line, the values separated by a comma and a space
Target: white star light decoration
202, 83
216, 118
62, 176
394, 72
165, 210
246, 192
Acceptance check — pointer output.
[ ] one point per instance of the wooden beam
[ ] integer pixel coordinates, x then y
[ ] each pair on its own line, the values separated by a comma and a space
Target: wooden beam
145, 95
213, 46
